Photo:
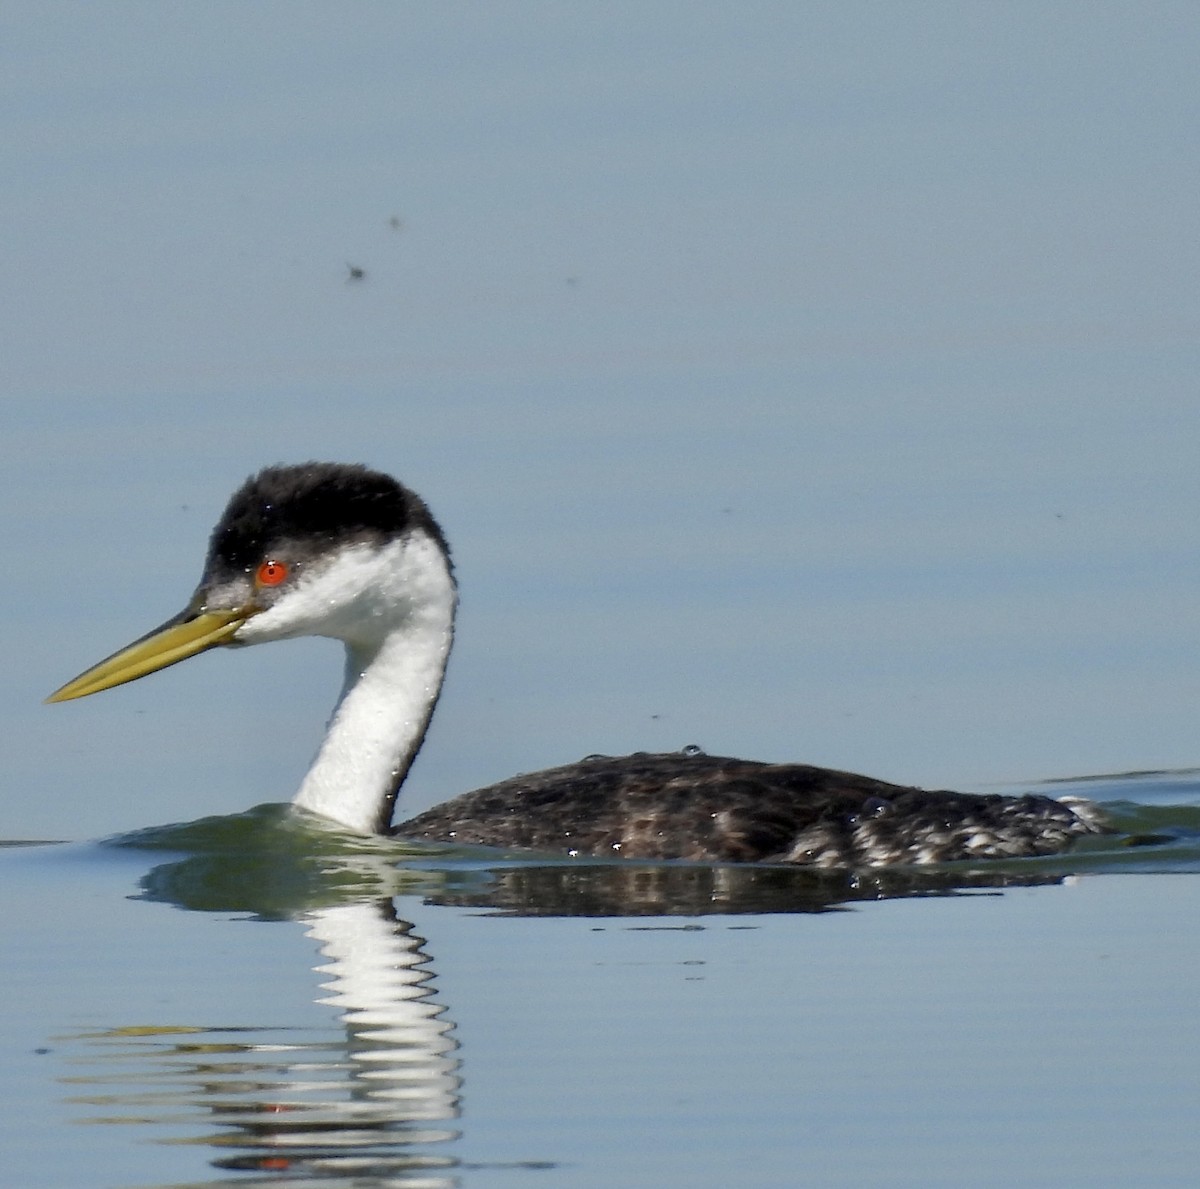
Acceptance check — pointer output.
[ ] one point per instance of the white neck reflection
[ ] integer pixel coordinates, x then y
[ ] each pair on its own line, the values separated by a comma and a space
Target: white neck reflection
400, 1047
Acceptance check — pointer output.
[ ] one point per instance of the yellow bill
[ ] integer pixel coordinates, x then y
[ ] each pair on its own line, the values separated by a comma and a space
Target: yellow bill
177, 639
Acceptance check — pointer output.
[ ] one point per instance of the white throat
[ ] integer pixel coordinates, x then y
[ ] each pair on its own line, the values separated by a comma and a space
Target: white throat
393, 606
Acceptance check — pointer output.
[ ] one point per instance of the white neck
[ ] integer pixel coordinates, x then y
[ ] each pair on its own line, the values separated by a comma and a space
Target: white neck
394, 609
376, 731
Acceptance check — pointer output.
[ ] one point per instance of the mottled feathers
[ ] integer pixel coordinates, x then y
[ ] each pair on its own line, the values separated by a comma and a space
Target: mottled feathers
712, 808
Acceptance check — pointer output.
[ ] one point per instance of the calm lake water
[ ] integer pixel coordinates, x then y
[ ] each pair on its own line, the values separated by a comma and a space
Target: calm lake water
807, 382
240, 1001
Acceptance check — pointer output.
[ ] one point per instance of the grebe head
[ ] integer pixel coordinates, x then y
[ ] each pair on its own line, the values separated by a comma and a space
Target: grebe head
319, 549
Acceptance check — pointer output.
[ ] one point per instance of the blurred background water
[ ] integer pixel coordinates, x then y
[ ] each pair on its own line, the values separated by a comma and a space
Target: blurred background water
802, 381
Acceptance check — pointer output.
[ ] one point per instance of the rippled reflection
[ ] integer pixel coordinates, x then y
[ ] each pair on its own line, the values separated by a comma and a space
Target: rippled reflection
372, 1100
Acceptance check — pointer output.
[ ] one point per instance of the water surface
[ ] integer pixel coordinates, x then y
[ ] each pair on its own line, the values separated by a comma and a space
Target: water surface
803, 382
243, 1000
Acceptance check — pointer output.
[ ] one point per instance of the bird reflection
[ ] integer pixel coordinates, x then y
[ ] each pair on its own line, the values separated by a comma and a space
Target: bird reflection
700, 890
378, 1096
366, 1103
398, 1040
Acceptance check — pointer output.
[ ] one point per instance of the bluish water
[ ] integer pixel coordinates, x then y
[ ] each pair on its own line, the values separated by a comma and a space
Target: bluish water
804, 382
329, 1009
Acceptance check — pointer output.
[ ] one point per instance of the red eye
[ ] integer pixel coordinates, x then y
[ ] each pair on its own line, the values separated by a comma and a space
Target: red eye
271, 573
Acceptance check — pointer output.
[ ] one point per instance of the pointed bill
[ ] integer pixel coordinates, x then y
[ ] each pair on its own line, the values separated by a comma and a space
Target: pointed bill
184, 635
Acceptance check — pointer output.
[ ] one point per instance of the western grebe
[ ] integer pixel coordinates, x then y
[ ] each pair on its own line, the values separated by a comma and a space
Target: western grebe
326, 549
